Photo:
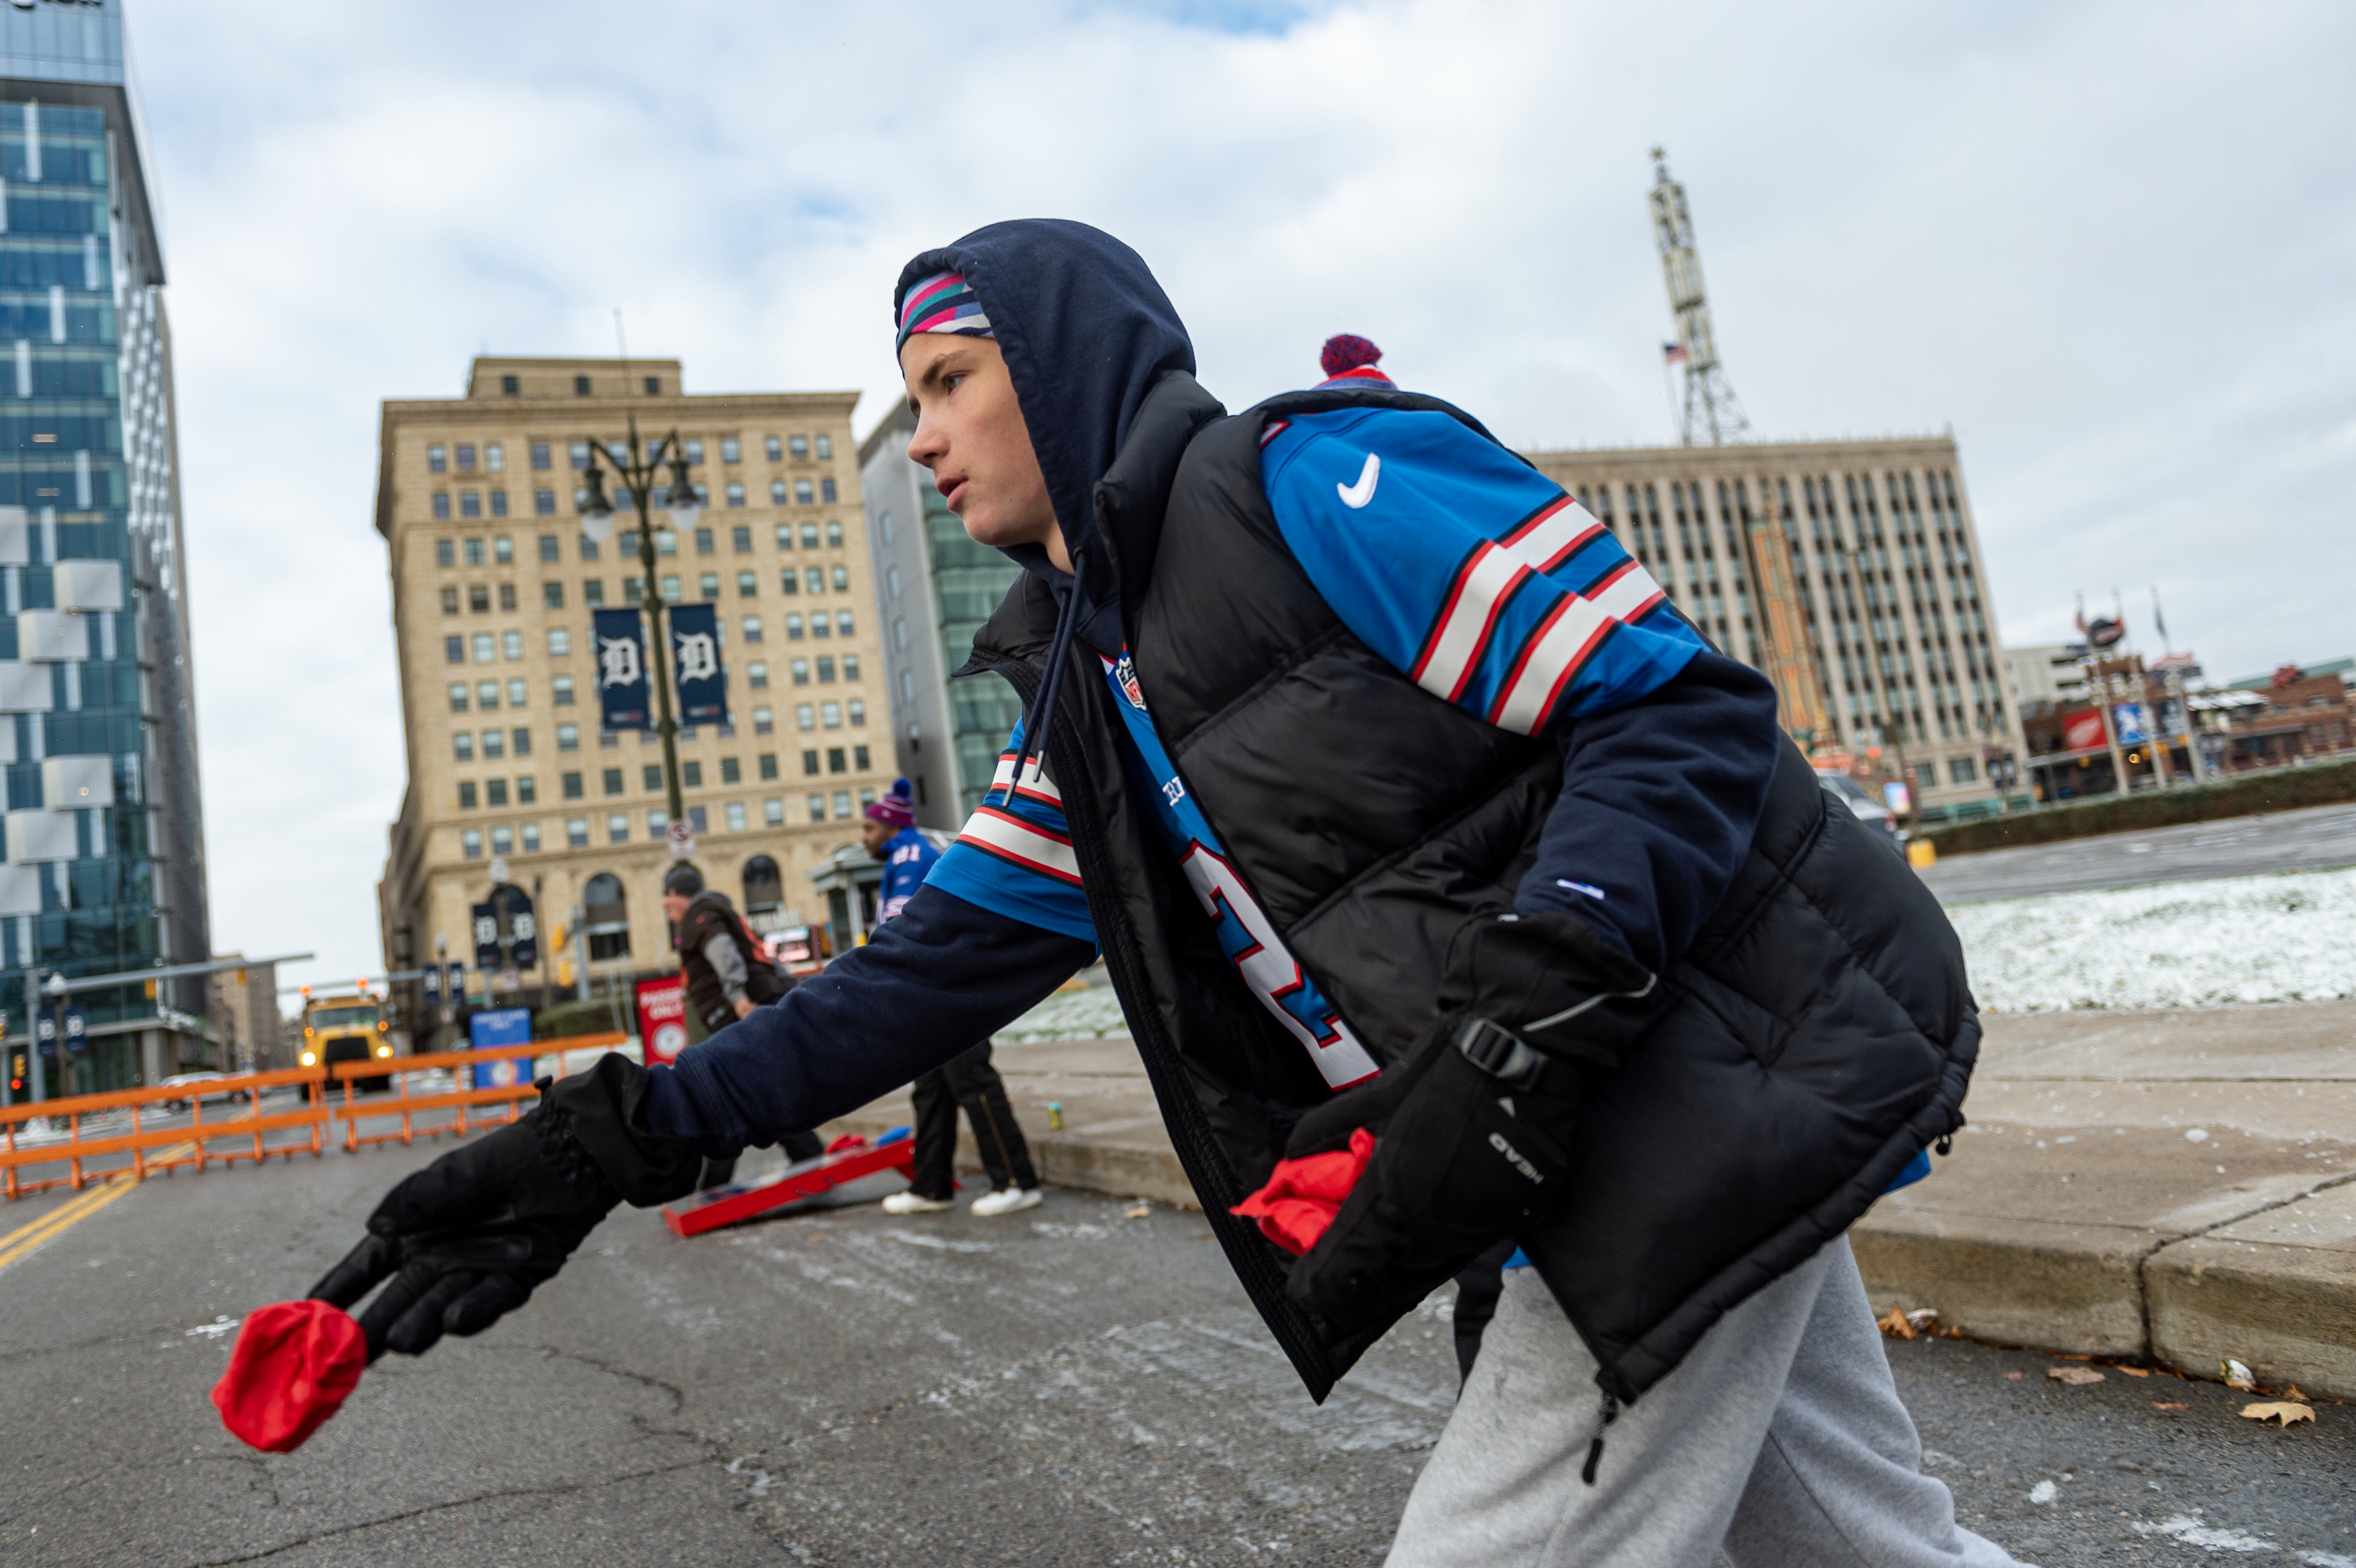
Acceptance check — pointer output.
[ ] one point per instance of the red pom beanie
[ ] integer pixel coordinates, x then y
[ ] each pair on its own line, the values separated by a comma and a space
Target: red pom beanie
1347, 351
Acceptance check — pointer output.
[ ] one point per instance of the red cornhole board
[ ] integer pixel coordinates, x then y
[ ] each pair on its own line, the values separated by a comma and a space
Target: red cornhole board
848, 1161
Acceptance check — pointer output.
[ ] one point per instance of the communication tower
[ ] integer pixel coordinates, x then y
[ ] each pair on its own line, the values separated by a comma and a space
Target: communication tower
1711, 414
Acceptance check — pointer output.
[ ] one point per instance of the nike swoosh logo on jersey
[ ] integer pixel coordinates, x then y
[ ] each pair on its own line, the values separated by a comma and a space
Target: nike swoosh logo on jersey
1358, 495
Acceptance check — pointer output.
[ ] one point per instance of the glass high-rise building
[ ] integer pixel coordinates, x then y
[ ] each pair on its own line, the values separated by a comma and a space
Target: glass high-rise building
104, 867
936, 589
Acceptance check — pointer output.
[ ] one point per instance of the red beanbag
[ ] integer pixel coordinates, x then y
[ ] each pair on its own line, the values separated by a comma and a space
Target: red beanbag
293, 1364
1302, 1195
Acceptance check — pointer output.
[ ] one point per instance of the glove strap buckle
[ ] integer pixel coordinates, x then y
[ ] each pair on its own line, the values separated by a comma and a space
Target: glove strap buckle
1502, 1053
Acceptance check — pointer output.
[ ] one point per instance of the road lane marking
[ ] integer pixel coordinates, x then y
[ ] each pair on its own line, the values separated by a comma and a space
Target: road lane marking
26, 1239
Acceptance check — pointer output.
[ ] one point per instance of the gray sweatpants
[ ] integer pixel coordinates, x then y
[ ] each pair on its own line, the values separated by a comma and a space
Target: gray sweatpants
1780, 1441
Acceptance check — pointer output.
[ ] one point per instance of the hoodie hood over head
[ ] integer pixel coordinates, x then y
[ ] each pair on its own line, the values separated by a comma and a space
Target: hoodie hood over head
1086, 332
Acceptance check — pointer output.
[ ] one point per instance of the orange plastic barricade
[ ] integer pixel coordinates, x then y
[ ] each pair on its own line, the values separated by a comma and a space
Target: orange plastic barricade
121, 1130
351, 1109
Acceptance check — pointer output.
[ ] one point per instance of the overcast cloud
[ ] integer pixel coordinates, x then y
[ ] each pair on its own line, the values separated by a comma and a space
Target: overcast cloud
2109, 245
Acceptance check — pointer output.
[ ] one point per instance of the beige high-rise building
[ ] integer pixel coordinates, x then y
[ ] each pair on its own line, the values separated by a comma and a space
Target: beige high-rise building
493, 584
1849, 572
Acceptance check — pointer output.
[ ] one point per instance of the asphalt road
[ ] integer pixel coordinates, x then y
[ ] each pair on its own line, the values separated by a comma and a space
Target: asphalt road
1063, 1386
2314, 839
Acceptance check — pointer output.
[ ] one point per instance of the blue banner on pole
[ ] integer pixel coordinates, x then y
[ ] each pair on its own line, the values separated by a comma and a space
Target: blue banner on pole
487, 937
77, 1023
695, 654
623, 698
523, 931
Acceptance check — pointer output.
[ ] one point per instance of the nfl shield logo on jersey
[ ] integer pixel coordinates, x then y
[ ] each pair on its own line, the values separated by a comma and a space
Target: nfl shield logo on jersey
1126, 672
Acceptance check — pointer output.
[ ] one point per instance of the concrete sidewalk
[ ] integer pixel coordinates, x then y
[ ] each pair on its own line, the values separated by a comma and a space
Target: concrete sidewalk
2176, 1186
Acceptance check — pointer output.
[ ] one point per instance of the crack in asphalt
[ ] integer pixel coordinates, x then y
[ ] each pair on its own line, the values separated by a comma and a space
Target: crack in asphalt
678, 1395
562, 1489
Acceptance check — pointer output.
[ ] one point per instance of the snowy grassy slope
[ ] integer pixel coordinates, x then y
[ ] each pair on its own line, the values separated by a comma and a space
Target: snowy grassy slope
1068, 1015
2288, 938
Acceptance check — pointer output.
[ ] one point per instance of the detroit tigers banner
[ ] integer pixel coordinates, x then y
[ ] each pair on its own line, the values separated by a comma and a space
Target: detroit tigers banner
695, 650
623, 697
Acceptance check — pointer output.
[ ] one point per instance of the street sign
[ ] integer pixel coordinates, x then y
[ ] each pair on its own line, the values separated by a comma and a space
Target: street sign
680, 835
662, 1018
506, 1026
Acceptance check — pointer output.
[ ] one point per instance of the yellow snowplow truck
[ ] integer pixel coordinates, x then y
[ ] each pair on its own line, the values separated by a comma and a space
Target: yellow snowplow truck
346, 1029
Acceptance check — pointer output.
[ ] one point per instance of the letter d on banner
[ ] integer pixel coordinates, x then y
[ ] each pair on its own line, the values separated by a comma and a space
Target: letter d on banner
695, 647
623, 698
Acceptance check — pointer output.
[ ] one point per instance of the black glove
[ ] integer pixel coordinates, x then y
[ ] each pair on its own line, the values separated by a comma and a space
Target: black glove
1472, 1131
466, 1240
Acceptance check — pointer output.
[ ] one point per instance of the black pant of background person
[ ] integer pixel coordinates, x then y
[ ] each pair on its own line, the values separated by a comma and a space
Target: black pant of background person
969, 1080
798, 1146
1477, 1289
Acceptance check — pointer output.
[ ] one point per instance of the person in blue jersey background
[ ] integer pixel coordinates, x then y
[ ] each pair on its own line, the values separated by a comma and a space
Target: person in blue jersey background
1447, 877
889, 833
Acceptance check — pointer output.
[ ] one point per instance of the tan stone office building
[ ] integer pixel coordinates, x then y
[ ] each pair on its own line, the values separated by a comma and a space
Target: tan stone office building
493, 584
1851, 573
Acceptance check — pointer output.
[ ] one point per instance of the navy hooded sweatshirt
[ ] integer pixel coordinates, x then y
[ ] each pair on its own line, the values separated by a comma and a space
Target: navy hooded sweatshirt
1659, 802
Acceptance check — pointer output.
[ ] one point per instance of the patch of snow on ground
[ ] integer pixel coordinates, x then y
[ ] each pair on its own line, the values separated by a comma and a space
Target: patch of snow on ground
2285, 937
1069, 1016
2288, 938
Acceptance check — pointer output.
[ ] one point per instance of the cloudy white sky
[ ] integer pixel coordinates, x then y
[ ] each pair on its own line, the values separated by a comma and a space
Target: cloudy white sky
2110, 245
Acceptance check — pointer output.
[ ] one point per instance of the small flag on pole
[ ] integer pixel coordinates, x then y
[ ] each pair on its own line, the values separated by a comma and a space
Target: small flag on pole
1673, 353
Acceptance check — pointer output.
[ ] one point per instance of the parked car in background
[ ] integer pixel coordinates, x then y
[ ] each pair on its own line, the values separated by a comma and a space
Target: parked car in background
1862, 804
195, 1082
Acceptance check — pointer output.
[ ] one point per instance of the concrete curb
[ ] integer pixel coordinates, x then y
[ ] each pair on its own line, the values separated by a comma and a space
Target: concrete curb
2277, 1291
1124, 1169
2165, 1187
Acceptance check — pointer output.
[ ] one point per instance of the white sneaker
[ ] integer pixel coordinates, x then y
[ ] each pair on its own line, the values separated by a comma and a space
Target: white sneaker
915, 1203
1006, 1200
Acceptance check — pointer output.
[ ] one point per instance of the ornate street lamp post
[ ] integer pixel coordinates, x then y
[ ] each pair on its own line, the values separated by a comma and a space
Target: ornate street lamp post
637, 474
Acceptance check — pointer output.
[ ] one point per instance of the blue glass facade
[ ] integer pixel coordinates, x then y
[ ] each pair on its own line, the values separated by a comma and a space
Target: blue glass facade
103, 867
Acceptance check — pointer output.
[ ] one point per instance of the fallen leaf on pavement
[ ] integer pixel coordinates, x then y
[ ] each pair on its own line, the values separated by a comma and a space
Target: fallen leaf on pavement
2014, 1377
2157, 1405
2292, 1393
2132, 1371
1137, 1211
2278, 1410
2076, 1377
1896, 1324
2236, 1374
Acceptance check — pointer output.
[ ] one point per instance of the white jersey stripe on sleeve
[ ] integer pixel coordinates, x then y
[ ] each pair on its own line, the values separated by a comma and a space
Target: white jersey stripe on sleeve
1035, 785
1628, 593
1554, 653
1012, 839
1553, 536
1564, 642
1458, 639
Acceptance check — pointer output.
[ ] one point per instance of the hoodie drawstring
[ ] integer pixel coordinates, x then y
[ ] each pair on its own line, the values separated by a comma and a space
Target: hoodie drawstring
1059, 653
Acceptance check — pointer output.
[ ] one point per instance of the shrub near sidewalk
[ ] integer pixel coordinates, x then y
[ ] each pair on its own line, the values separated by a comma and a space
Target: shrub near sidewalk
2282, 789
595, 1017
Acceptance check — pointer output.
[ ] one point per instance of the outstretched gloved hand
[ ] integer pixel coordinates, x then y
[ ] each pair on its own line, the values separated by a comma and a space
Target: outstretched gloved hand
465, 1241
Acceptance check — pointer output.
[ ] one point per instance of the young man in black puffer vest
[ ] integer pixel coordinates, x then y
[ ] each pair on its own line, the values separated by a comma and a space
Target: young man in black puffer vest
1456, 894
